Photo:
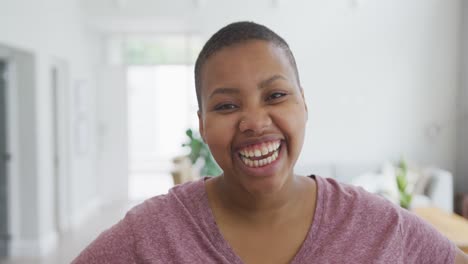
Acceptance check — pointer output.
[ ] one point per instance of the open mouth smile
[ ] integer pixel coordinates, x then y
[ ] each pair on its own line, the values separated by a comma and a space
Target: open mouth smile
260, 155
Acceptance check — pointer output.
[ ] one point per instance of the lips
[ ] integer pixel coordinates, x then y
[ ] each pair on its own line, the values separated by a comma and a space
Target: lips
259, 155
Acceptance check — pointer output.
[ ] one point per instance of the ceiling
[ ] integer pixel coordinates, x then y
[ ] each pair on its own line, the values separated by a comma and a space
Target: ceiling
179, 15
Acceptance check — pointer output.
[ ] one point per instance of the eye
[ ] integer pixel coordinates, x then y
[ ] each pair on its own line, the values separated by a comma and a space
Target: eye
276, 96
225, 107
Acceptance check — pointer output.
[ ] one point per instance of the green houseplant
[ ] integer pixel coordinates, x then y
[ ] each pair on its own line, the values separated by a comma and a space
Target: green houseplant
200, 151
402, 182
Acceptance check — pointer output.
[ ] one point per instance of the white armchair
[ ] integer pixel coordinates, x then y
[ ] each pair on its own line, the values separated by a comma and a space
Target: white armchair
440, 188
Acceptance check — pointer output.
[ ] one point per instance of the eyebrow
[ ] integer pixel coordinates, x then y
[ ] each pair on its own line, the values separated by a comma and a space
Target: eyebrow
262, 84
273, 78
224, 90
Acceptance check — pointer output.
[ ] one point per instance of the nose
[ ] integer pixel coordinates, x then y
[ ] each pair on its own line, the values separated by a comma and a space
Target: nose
255, 121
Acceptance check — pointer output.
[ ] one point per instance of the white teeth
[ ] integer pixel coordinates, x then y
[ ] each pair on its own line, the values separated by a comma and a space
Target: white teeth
261, 150
269, 160
260, 163
264, 149
258, 153
270, 147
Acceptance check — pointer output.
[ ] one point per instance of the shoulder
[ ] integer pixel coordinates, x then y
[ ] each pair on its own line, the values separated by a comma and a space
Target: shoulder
170, 209
153, 222
354, 212
351, 220
422, 241
372, 220
114, 245
335, 196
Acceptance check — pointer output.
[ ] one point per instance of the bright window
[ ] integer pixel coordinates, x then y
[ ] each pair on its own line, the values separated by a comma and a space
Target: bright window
161, 107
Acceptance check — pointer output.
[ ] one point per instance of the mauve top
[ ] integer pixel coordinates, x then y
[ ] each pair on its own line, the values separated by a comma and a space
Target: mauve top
350, 226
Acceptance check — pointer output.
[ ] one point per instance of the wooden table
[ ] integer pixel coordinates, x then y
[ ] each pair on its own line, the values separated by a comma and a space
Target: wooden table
453, 226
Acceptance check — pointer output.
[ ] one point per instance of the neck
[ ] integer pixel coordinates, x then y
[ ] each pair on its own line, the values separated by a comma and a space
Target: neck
260, 205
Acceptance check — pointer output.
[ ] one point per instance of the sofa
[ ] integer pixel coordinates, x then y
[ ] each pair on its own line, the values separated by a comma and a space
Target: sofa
430, 186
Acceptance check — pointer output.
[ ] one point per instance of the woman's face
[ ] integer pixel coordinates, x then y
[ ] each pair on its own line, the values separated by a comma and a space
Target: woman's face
253, 114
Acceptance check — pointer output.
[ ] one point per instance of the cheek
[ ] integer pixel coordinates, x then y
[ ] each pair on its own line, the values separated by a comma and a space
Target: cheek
300, 124
293, 113
219, 132
293, 122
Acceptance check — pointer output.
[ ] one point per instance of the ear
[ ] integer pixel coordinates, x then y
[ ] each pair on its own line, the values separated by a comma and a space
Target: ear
201, 129
305, 104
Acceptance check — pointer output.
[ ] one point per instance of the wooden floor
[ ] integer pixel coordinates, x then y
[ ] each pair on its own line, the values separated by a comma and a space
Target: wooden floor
453, 226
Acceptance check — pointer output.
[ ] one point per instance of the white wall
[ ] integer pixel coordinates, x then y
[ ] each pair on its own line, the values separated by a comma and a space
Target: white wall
113, 130
462, 136
50, 30
380, 77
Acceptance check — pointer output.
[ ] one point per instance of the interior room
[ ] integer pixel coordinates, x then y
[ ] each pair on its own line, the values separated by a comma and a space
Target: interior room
98, 108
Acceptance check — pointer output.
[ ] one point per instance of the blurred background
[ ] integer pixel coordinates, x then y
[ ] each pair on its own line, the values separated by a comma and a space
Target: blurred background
96, 97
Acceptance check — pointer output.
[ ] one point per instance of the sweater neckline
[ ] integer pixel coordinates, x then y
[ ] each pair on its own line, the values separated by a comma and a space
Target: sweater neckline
221, 244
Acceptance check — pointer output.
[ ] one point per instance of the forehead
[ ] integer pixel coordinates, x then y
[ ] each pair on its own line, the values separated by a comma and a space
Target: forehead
244, 63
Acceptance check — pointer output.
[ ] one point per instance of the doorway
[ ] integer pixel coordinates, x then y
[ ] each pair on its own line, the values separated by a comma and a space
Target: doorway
4, 158
156, 137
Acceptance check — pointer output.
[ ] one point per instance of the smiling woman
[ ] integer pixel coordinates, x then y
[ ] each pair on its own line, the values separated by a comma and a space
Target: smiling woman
264, 104
252, 114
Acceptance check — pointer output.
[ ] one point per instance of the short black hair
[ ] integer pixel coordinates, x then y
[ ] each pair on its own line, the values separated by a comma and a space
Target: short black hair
235, 33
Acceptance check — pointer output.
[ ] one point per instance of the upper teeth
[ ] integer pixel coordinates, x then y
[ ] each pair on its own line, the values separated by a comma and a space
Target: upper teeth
260, 150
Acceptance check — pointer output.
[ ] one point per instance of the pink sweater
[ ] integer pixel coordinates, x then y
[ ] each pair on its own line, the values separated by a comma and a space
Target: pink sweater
350, 226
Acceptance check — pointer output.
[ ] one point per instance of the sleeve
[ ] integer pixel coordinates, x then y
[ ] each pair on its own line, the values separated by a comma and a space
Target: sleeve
422, 243
113, 246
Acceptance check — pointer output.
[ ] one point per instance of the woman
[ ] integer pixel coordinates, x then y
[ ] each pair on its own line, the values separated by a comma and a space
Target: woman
252, 115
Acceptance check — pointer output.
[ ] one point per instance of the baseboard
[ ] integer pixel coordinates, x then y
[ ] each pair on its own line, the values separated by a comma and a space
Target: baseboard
34, 247
80, 216
4, 251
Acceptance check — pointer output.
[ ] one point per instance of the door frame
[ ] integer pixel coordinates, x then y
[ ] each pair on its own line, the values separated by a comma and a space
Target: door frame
60, 100
11, 97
